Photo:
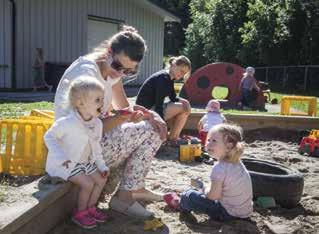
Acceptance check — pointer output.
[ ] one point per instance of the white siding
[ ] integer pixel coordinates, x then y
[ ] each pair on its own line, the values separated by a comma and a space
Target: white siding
5, 44
60, 28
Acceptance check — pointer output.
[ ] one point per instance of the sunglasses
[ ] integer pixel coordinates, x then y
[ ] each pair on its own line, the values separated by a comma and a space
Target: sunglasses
117, 65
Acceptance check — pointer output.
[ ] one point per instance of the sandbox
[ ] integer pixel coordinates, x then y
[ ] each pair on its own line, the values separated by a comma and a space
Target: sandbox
46, 208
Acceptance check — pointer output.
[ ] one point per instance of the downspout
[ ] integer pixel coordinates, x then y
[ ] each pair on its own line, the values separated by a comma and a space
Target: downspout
13, 46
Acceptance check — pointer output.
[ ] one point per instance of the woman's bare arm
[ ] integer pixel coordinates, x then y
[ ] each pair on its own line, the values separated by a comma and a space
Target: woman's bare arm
119, 98
111, 122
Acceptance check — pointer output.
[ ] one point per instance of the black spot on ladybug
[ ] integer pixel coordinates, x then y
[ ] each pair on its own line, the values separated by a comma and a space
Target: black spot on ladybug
203, 82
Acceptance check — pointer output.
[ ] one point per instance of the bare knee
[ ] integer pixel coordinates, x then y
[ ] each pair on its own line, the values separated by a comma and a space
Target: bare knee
87, 184
101, 181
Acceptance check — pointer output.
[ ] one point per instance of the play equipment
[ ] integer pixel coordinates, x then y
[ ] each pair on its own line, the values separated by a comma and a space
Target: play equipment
22, 149
270, 179
286, 102
310, 144
202, 136
178, 87
198, 88
189, 149
42, 113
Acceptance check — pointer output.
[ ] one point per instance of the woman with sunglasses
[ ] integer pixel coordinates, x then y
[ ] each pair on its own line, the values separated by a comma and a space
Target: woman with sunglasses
132, 136
161, 85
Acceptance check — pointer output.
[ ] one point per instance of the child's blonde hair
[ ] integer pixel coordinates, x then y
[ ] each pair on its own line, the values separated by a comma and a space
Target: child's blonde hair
233, 135
80, 88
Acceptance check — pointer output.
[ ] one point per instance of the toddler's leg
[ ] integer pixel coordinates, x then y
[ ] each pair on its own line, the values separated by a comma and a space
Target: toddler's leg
99, 183
86, 185
192, 200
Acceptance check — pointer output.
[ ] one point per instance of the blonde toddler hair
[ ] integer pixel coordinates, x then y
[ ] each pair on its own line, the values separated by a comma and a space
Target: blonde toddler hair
80, 88
233, 136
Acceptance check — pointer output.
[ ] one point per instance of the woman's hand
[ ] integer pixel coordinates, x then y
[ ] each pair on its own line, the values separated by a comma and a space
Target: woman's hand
134, 116
158, 124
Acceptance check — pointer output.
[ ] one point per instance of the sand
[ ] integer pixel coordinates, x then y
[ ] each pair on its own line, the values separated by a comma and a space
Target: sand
168, 174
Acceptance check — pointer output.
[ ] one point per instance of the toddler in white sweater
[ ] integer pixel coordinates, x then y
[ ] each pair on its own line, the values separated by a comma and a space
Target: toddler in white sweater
74, 151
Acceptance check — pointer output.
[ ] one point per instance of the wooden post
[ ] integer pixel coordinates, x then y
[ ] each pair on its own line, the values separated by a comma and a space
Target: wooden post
305, 78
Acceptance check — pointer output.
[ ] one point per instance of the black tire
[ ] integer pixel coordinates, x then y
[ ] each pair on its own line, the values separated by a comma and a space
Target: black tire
316, 152
284, 184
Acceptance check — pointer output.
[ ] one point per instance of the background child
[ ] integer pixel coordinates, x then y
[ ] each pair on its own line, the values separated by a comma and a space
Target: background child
38, 71
210, 119
74, 148
230, 193
247, 86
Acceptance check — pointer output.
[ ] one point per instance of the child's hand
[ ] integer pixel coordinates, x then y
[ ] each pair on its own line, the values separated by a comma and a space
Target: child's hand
105, 174
66, 163
197, 184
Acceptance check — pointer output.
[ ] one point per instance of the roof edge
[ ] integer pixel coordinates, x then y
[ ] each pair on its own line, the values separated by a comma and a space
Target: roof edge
168, 16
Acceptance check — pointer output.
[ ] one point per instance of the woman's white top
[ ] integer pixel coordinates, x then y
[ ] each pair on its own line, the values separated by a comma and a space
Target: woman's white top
70, 138
81, 67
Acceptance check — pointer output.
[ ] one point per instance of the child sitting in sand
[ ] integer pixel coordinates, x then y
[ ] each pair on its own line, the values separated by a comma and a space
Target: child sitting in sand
210, 119
230, 193
74, 148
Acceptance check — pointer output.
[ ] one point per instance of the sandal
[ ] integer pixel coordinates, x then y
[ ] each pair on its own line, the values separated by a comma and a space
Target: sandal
135, 210
172, 200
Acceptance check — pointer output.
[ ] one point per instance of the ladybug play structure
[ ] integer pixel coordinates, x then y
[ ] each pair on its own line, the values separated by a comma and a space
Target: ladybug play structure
310, 144
199, 87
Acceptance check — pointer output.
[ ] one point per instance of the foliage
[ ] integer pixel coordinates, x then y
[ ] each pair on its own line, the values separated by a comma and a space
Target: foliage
174, 37
253, 32
14, 109
213, 34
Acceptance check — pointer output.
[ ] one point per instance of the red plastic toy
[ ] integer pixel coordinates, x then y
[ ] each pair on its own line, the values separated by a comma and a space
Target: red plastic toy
310, 144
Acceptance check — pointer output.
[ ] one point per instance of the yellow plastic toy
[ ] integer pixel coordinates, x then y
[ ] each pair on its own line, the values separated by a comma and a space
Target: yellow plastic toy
178, 87
153, 224
287, 100
22, 149
314, 134
42, 113
189, 151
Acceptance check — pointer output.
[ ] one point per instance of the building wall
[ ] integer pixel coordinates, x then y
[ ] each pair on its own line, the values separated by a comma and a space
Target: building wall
60, 28
5, 44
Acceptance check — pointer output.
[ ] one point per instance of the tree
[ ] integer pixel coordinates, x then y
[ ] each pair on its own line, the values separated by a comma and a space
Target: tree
265, 32
174, 35
214, 35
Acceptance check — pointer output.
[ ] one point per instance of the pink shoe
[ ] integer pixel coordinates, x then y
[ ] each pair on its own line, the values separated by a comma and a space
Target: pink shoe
97, 215
172, 200
83, 219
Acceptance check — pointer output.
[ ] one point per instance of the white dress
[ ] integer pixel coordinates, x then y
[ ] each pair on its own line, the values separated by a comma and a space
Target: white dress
80, 67
211, 119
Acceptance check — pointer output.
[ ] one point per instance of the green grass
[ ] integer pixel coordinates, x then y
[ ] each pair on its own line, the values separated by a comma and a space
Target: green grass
14, 109
222, 92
